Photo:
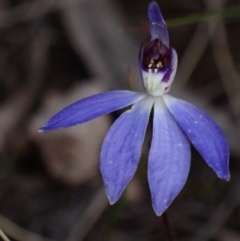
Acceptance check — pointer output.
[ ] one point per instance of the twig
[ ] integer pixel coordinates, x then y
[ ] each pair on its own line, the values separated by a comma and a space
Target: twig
26, 11
95, 37
225, 64
17, 106
19, 233
192, 54
3, 236
194, 51
220, 215
89, 218
191, 225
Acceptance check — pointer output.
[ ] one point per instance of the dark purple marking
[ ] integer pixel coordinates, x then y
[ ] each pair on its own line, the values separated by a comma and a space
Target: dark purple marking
155, 55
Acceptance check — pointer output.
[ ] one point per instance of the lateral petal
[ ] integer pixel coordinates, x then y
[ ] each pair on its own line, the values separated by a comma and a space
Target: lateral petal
169, 159
121, 148
90, 108
204, 134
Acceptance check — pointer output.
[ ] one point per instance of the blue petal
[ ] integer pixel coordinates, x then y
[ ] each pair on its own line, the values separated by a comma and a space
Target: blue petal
158, 27
169, 159
203, 132
121, 148
90, 108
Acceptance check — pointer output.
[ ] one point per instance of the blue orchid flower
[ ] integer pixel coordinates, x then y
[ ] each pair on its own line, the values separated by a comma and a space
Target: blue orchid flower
176, 123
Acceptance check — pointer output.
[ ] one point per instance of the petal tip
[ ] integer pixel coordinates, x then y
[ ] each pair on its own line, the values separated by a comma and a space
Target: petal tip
159, 214
160, 211
112, 200
226, 177
153, 6
48, 127
111, 195
160, 207
44, 129
223, 174
41, 130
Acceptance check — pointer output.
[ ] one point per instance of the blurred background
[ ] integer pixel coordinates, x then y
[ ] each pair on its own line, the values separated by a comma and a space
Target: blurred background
55, 52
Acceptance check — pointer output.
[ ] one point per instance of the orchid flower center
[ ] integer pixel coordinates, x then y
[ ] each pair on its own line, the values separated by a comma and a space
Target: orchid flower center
156, 56
158, 64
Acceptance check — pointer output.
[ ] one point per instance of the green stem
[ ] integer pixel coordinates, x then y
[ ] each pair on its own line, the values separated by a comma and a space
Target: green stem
167, 227
200, 17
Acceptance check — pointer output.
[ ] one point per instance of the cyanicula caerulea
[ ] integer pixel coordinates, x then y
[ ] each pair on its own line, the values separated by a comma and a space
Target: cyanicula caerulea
175, 124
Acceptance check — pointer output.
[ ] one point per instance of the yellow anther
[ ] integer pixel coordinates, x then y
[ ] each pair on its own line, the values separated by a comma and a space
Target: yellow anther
159, 65
152, 61
150, 65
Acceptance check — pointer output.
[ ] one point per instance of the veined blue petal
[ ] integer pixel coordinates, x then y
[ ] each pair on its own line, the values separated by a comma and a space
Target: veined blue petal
169, 158
90, 108
203, 132
158, 27
121, 148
